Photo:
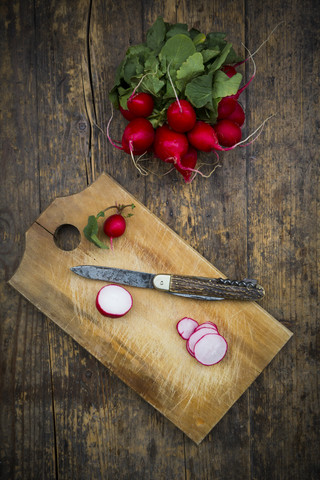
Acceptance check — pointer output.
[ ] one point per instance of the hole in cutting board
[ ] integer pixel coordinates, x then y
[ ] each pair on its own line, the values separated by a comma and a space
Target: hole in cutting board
67, 237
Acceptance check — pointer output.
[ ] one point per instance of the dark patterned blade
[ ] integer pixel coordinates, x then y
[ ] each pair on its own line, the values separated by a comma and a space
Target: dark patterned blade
115, 275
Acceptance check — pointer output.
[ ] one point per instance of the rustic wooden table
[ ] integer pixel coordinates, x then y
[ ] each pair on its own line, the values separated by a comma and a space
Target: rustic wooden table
64, 415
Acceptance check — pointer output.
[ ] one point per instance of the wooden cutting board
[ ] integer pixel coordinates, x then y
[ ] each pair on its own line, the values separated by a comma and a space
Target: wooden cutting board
143, 348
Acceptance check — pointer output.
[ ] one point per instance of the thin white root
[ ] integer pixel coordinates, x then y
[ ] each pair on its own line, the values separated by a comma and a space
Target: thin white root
253, 133
108, 134
205, 175
173, 88
140, 169
267, 39
251, 58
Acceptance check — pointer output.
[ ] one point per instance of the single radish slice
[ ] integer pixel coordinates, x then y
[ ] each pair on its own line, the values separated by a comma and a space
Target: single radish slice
208, 324
113, 301
186, 327
210, 349
196, 335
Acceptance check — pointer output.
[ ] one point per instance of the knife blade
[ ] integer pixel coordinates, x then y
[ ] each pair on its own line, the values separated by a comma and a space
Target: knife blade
200, 288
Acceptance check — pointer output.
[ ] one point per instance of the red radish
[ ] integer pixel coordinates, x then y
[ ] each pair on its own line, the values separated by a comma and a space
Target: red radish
113, 301
229, 70
181, 116
186, 327
210, 349
203, 137
226, 106
137, 136
188, 162
238, 115
114, 226
170, 146
228, 132
196, 335
127, 115
140, 104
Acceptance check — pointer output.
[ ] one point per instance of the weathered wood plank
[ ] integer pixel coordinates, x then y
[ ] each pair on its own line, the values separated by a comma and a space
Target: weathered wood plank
283, 196
27, 447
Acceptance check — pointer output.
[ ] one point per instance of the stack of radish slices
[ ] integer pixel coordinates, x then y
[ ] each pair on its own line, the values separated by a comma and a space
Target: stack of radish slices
204, 342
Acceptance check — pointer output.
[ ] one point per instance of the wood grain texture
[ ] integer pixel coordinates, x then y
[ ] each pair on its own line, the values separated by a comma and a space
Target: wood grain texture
256, 217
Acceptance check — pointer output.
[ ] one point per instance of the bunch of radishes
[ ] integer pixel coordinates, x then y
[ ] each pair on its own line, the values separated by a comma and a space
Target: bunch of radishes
182, 136
180, 93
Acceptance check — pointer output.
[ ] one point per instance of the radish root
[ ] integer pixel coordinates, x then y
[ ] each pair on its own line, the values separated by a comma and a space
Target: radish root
173, 88
113, 142
140, 169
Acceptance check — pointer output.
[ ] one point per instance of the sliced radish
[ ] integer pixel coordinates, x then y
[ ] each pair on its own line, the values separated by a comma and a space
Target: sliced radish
196, 335
208, 325
113, 301
188, 350
186, 327
210, 349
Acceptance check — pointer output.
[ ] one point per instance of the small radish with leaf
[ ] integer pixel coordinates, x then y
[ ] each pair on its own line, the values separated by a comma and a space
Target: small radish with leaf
114, 226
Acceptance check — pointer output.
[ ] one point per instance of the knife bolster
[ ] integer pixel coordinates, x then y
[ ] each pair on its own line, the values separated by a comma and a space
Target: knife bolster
162, 282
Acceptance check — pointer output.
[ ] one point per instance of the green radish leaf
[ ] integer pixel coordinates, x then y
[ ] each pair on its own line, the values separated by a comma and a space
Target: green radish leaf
176, 50
169, 92
191, 68
132, 68
152, 84
199, 91
156, 35
152, 64
91, 227
219, 61
208, 115
224, 86
232, 57
158, 118
141, 51
193, 32
124, 94
94, 239
114, 97
216, 39
199, 39
209, 54
177, 29
100, 214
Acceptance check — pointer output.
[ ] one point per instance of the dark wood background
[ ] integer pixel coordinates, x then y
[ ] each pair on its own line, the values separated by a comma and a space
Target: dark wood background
63, 415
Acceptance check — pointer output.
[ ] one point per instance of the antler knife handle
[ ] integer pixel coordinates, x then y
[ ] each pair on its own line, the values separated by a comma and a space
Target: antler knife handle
216, 287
